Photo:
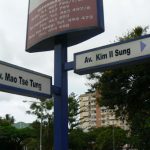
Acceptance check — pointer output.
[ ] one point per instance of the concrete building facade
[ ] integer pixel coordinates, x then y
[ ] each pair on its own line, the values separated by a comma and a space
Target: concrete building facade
92, 115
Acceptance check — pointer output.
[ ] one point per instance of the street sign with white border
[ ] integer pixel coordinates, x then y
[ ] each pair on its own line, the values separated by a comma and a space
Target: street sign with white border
18, 80
113, 55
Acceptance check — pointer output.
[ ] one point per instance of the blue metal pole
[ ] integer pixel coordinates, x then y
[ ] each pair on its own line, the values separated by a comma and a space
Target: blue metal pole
61, 99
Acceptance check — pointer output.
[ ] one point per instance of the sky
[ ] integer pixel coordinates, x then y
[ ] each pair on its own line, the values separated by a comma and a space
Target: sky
120, 16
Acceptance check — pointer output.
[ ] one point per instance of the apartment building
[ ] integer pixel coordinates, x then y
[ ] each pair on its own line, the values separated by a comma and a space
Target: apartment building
92, 115
108, 118
87, 111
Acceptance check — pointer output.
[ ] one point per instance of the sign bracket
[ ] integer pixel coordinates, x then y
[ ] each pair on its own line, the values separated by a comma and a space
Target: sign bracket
56, 90
69, 66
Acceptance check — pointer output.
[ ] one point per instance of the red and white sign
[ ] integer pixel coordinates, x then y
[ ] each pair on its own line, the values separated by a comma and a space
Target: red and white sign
48, 18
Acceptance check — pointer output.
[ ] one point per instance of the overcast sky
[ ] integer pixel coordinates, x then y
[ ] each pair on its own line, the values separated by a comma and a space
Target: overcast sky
120, 17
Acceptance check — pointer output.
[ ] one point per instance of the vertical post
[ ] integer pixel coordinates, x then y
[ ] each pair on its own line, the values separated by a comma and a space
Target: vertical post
113, 136
60, 101
41, 134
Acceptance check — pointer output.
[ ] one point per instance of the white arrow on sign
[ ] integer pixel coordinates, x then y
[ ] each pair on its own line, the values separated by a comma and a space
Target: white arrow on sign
100, 59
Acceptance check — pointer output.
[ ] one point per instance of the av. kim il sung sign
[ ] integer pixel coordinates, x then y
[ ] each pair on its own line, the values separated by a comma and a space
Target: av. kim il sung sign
114, 55
76, 20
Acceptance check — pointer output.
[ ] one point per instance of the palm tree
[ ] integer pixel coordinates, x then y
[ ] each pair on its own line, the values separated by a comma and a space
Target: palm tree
9, 118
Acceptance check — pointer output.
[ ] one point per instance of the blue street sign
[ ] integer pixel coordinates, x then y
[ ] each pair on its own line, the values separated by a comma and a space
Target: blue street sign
18, 80
110, 56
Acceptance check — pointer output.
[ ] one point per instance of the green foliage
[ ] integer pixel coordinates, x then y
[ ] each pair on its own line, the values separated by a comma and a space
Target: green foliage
105, 138
135, 33
77, 140
128, 88
43, 111
31, 143
11, 137
97, 139
7, 120
73, 111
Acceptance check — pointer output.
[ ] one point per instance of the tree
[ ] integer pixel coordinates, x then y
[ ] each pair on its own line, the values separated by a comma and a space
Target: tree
44, 112
7, 120
128, 89
77, 140
11, 137
73, 111
107, 139
44, 123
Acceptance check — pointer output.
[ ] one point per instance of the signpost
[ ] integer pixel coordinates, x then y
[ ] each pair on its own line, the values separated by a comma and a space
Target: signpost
24, 82
57, 24
110, 56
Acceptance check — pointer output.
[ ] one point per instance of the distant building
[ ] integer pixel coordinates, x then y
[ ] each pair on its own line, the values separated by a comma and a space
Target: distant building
108, 118
87, 111
21, 125
92, 115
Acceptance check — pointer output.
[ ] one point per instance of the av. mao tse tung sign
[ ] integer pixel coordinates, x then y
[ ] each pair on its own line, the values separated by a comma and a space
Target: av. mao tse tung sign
17, 80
